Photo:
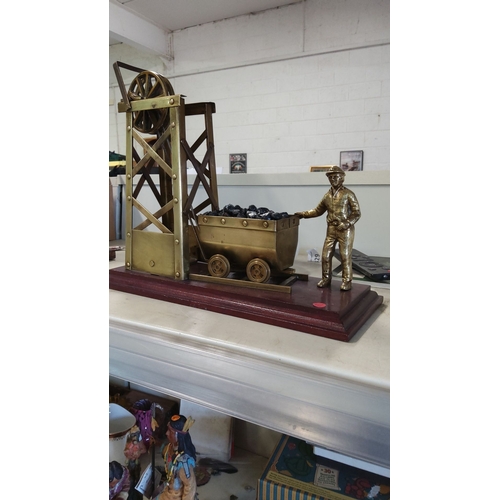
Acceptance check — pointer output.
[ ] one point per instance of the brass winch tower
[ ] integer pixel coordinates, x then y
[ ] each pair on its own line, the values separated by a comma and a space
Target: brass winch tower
156, 139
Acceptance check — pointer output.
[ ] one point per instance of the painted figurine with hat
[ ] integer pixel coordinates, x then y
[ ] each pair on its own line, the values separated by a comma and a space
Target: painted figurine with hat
342, 208
179, 455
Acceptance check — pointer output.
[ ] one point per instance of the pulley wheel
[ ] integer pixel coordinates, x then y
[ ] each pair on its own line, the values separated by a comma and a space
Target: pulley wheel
258, 271
148, 85
218, 266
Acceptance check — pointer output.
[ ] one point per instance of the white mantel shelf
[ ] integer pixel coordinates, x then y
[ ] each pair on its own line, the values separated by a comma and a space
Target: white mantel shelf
333, 394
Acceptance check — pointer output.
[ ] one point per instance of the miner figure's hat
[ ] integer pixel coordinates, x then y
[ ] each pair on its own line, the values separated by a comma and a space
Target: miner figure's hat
335, 170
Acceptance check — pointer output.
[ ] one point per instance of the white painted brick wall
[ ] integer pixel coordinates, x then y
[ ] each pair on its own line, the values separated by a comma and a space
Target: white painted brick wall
340, 24
270, 34
292, 86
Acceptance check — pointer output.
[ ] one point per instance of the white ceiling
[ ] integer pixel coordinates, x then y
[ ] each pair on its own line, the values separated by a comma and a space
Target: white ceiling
172, 15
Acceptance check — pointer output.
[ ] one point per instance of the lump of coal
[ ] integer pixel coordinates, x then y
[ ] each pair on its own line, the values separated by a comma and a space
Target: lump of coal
251, 212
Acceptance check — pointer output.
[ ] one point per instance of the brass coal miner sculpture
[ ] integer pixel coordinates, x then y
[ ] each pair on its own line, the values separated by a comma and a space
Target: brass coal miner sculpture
343, 212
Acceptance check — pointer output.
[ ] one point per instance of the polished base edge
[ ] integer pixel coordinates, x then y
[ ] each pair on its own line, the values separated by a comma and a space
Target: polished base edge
325, 312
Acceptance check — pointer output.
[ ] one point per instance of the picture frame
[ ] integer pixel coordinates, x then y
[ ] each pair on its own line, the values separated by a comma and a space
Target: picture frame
238, 163
351, 161
320, 168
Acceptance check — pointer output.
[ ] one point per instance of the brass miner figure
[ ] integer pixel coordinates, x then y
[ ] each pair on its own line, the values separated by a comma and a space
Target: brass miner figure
343, 212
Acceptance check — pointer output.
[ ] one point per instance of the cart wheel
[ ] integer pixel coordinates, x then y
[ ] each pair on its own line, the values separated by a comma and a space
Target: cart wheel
218, 266
258, 271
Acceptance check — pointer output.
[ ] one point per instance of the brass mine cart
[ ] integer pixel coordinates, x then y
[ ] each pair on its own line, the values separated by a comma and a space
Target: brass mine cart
261, 247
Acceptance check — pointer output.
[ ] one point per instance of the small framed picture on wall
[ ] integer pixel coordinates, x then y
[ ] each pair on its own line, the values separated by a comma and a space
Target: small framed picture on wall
320, 168
351, 161
238, 163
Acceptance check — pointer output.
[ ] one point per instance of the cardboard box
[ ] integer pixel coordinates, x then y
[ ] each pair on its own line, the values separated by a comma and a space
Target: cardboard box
293, 471
212, 431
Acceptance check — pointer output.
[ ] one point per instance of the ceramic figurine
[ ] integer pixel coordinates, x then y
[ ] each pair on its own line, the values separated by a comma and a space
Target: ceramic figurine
134, 446
144, 412
179, 455
343, 212
118, 480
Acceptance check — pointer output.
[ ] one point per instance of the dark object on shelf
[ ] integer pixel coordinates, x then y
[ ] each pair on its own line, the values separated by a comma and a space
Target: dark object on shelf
116, 156
375, 268
113, 249
202, 475
118, 395
115, 171
217, 466
121, 170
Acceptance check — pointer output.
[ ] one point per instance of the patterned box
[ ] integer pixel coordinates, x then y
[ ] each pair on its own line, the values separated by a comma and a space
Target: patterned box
295, 473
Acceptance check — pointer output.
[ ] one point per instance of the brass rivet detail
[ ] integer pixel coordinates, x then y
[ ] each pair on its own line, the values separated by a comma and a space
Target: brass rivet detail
245, 223
129, 198
176, 242
176, 200
129, 127
128, 176
177, 274
128, 264
266, 224
174, 177
171, 100
173, 124
152, 263
223, 221
205, 219
128, 234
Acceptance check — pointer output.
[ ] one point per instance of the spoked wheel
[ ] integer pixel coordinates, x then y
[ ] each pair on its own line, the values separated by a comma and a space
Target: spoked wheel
147, 85
258, 271
218, 266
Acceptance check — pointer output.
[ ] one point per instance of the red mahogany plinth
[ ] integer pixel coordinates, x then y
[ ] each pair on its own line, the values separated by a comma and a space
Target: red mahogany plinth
326, 312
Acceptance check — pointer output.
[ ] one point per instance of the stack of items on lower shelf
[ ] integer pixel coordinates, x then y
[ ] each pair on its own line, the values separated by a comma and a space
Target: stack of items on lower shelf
138, 444
293, 471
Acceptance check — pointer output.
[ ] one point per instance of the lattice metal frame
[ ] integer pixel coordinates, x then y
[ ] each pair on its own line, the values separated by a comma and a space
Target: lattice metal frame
166, 249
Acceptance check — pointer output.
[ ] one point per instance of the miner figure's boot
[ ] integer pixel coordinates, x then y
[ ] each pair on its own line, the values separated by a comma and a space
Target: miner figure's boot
345, 285
326, 276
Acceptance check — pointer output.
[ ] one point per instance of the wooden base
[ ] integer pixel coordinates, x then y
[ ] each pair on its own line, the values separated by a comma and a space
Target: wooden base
326, 312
